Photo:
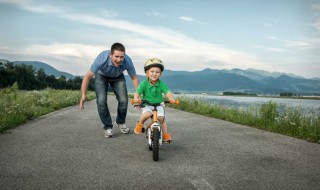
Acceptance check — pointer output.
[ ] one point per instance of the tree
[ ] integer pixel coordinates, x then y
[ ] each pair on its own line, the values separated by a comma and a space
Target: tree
42, 78
8, 74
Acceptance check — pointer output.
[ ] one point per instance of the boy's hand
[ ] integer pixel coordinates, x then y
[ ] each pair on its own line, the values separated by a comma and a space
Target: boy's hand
137, 103
137, 100
172, 101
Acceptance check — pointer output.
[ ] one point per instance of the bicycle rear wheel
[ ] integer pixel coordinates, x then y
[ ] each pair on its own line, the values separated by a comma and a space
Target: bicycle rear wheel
155, 144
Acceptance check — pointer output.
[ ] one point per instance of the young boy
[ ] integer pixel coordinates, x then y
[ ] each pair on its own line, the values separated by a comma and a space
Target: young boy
152, 89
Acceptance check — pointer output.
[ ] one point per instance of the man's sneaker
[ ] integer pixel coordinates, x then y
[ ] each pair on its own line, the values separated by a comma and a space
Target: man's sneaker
108, 133
138, 128
124, 129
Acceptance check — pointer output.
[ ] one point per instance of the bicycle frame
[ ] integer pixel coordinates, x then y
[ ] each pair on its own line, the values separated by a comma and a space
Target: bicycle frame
154, 129
154, 124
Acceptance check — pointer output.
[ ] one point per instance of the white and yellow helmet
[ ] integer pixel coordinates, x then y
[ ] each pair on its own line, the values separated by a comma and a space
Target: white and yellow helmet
153, 62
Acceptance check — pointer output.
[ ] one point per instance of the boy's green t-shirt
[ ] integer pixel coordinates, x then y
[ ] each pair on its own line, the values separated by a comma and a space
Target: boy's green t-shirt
152, 93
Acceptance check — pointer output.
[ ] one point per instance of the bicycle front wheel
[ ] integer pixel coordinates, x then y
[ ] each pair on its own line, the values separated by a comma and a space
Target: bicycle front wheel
155, 144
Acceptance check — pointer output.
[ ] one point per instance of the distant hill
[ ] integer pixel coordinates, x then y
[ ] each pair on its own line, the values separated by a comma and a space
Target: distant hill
49, 70
213, 80
237, 80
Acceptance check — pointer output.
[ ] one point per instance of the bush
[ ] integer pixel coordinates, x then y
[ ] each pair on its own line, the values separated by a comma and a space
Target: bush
268, 111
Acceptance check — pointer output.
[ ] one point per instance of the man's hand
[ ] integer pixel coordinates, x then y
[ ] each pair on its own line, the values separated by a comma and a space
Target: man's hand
83, 99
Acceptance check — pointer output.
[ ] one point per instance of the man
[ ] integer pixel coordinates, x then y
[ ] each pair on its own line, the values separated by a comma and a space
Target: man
108, 69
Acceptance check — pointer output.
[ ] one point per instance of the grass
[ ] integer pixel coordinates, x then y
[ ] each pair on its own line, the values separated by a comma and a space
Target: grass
18, 107
283, 119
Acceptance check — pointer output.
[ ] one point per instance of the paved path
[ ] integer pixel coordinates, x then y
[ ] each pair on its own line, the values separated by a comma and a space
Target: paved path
67, 150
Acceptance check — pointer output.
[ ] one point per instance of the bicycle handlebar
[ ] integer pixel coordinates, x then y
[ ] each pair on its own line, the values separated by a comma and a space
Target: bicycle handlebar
177, 102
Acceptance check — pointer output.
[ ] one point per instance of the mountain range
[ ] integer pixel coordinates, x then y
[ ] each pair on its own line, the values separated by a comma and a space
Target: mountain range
49, 70
237, 80
213, 80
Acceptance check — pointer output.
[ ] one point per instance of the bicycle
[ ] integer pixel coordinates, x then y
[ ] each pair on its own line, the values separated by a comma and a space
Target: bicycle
153, 130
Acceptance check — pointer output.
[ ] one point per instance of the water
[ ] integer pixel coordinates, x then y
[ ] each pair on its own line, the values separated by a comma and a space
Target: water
242, 102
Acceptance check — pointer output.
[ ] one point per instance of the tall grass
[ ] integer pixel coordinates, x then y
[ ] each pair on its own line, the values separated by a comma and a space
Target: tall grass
17, 107
283, 119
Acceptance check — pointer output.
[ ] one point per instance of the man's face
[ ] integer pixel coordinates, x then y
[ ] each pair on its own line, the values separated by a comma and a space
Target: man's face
117, 58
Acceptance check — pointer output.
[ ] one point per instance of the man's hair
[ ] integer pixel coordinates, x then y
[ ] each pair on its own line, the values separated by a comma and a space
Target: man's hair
117, 46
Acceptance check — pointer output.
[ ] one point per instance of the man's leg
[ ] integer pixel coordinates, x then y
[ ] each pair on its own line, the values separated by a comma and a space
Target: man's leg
120, 90
101, 89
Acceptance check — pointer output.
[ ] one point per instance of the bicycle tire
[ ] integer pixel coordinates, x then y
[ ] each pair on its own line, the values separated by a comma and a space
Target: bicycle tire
155, 144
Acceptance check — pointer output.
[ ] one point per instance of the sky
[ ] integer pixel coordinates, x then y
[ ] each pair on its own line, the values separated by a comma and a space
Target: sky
187, 35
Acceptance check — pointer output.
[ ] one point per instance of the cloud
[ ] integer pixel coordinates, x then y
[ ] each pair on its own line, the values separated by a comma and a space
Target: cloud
190, 19
272, 49
179, 51
316, 10
72, 58
276, 49
268, 25
270, 37
33, 6
155, 14
108, 13
302, 44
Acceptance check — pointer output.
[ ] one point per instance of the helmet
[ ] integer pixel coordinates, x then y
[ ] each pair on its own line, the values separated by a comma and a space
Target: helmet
153, 62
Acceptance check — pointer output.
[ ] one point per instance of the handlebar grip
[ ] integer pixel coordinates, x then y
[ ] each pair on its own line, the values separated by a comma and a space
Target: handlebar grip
135, 102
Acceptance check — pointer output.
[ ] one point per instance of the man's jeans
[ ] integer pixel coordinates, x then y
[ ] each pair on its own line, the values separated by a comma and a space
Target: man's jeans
120, 90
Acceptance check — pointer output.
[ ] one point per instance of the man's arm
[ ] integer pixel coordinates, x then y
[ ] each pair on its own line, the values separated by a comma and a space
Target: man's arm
135, 81
84, 86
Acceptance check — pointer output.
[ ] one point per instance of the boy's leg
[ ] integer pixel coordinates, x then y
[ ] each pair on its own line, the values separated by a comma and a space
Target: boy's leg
144, 117
163, 124
161, 119
166, 135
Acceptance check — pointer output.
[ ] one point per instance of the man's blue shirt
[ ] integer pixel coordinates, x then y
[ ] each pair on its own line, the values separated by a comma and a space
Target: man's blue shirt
103, 65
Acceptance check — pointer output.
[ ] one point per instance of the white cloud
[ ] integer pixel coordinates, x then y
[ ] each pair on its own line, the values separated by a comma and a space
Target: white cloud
272, 49
298, 44
178, 51
108, 13
72, 58
268, 25
272, 38
155, 14
276, 49
33, 6
190, 19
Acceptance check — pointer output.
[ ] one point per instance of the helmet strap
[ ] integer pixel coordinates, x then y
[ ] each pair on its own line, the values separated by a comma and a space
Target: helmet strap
152, 82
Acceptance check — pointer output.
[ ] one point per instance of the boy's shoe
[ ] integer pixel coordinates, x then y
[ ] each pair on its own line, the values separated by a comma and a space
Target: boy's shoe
123, 128
108, 133
167, 138
138, 129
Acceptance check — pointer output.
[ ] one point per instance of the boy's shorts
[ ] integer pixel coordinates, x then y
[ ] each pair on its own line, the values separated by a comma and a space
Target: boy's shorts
150, 108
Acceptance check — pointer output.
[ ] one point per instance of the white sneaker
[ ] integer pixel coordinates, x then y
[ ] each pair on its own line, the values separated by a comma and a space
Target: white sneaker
124, 129
108, 133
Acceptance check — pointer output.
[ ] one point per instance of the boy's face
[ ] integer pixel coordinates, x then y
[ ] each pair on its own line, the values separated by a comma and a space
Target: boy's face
154, 74
117, 57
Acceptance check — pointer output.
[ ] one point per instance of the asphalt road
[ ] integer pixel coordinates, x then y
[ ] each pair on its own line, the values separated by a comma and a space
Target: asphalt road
67, 149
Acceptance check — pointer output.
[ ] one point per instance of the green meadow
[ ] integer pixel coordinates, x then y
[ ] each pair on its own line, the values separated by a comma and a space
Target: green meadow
18, 106
283, 119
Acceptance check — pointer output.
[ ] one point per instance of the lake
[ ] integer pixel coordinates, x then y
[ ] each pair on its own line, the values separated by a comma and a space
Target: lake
242, 102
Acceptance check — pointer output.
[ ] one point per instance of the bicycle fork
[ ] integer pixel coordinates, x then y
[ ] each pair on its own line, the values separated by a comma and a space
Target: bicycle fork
154, 126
